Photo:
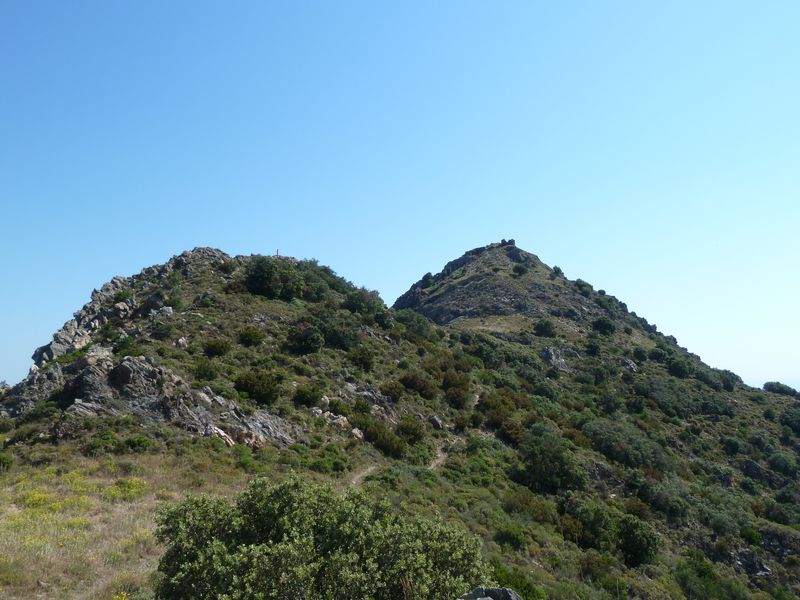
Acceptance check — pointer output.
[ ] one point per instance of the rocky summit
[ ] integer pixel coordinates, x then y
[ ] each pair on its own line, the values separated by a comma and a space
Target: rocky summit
501, 432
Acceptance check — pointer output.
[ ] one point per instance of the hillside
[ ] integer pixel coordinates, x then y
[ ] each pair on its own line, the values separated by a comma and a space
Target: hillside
592, 455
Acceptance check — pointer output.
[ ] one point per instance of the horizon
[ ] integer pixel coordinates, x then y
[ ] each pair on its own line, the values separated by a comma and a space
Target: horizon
651, 151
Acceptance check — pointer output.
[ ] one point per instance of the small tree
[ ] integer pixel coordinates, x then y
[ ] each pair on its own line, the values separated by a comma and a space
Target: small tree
545, 328
637, 540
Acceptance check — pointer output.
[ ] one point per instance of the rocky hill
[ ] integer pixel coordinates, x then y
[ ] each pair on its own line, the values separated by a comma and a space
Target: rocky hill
592, 455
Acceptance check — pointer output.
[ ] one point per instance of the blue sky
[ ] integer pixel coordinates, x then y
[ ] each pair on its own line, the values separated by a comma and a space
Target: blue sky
649, 148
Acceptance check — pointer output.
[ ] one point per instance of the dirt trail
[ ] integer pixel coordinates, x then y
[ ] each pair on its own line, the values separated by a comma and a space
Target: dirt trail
438, 460
359, 477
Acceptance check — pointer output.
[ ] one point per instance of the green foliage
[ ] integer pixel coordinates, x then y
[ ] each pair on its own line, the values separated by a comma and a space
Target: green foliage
776, 387
411, 429
603, 326
519, 269
302, 540
307, 395
637, 540
122, 295
586, 521
260, 385
6, 460
625, 443
548, 464
304, 338
698, 579
783, 462
791, 418
584, 289
511, 536
679, 367
250, 335
216, 347
205, 369
393, 389
275, 278
417, 381
545, 328
362, 357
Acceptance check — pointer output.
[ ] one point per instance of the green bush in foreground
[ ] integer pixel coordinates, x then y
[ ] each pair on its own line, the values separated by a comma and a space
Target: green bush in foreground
302, 540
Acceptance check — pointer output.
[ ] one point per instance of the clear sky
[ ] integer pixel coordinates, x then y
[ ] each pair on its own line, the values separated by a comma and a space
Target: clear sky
652, 149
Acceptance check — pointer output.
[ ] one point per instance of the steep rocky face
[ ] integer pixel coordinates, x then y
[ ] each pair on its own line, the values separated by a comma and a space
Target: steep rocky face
502, 280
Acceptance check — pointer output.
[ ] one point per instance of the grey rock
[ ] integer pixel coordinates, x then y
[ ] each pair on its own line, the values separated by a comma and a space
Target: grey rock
357, 433
436, 422
491, 594
556, 357
628, 364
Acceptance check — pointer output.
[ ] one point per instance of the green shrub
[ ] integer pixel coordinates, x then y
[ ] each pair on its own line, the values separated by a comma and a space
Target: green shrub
418, 382
6, 460
393, 389
411, 429
697, 578
510, 535
216, 347
304, 338
679, 367
545, 328
380, 436
548, 465
519, 269
637, 540
302, 540
163, 330
273, 278
603, 326
776, 387
791, 418
205, 369
250, 335
307, 395
362, 357
783, 462
625, 443
259, 384
586, 521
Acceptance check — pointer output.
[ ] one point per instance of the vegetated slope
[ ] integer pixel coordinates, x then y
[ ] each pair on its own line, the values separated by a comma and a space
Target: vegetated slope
593, 455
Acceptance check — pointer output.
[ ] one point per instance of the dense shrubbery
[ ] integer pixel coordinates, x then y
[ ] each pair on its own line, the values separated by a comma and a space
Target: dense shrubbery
260, 385
603, 325
637, 540
698, 579
302, 540
776, 387
625, 443
273, 278
250, 335
545, 328
304, 338
216, 347
791, 418
548, 464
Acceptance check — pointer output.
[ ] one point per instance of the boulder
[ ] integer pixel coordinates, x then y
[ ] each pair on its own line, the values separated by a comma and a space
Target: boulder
491, 594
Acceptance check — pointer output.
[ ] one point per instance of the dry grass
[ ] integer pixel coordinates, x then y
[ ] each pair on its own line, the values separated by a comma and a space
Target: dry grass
84, 529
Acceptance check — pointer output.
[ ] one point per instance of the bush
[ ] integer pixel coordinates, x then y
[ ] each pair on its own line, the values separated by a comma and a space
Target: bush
783, 462
411, 429
393, 389
249, 335
300, 539
361, 356
260, 385
625, 443
545, 328
697, 578
637, 540
548, 463
273, 278
791, 418
418, 382
380, 436
679, 367
304, 338
307, 395
510, 535
216, 347
777, 387
603, 326
6, 460
519, 269
205, 369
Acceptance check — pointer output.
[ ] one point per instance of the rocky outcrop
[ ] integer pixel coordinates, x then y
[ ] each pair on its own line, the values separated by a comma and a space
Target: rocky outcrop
491, 594
106, 303
94, 386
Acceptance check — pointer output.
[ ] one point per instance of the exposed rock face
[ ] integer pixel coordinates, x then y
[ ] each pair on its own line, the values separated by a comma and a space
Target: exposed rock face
93, 385
77, 332
491, 594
